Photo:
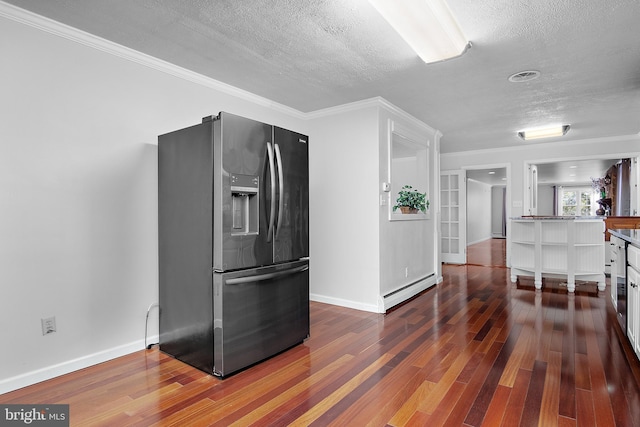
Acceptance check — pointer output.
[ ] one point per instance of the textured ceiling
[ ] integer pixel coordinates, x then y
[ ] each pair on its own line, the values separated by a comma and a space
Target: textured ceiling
311, 55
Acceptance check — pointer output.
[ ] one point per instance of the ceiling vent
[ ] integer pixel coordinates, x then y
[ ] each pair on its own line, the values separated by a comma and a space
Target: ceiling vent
524, 76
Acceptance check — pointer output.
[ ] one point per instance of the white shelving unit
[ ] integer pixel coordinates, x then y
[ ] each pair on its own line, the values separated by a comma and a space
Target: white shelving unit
564, 247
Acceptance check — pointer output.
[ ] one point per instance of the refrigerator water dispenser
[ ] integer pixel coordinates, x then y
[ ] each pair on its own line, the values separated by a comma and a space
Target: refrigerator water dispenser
244, 204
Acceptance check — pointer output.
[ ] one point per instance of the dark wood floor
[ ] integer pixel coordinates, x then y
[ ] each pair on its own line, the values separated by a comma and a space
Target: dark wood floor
474, 350
490, 253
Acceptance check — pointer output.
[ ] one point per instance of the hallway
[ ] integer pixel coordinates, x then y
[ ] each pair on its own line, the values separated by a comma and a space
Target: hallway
488, 253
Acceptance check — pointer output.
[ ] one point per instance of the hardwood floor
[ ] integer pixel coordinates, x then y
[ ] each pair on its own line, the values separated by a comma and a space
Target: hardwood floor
490, 253
475, 350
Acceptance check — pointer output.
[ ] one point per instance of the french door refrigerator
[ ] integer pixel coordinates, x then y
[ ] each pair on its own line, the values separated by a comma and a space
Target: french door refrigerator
233, 218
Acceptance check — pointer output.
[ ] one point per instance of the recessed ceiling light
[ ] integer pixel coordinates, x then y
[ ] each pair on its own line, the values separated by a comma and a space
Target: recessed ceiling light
524, 76
547, 132
573, 167
492, 173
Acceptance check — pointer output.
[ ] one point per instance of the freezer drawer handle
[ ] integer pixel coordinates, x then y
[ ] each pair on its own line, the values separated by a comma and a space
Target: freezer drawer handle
267, 276
272, 170
281, 188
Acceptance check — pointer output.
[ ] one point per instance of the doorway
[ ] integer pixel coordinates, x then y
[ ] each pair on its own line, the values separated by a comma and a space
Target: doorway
488, 253
487, 215
467, 199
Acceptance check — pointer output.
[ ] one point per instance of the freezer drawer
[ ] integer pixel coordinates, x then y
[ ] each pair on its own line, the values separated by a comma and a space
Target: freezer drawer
258, 313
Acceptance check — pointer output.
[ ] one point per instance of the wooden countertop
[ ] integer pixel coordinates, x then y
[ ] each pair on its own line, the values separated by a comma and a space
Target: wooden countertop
620, 222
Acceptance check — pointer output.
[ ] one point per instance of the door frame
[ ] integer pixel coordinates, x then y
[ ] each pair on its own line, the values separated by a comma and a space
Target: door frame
635, 171
507, 167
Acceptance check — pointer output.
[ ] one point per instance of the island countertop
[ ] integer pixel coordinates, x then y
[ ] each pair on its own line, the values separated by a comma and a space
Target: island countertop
559, 218
631, 235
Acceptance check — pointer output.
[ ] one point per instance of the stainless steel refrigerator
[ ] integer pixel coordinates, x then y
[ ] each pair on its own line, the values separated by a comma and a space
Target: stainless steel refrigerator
233, 217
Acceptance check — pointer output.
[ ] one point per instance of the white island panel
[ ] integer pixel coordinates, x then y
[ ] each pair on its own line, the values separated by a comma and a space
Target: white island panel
565, 247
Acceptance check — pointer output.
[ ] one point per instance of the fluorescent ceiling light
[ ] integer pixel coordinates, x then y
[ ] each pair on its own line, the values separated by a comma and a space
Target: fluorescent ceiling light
428, 26
548, 132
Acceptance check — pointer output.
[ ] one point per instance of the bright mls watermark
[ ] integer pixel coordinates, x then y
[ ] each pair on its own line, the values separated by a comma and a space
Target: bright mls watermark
34, 415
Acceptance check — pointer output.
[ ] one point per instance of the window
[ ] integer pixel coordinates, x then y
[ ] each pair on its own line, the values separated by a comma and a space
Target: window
577, 201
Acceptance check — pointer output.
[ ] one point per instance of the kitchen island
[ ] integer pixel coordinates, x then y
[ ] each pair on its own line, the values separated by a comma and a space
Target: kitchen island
558, 247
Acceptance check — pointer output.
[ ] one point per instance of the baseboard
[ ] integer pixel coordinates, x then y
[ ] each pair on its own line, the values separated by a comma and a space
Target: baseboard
484, 239
403, 294
344, 303
385, 302
46, 373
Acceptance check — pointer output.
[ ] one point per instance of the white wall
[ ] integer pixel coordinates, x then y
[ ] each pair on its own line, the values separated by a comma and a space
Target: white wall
78, 183
545, 199
516, 157
479, 209
343, 205
78, 180
357, 254
408, 249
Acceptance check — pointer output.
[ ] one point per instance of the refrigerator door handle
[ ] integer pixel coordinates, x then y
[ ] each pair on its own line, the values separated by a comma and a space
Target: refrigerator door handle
267, 276
272, 171
280, 188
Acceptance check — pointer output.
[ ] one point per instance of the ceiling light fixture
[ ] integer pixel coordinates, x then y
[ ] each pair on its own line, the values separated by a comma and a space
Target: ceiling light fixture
547, 132
428, 26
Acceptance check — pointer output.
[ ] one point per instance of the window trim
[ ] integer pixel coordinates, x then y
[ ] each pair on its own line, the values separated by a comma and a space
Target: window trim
580, 189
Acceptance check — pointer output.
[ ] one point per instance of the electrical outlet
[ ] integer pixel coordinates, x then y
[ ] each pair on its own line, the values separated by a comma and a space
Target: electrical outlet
48, 325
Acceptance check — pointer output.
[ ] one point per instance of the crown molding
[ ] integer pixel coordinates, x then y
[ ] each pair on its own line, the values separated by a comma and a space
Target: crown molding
375, 102
345, 108
84, 38
400, 112
59, 29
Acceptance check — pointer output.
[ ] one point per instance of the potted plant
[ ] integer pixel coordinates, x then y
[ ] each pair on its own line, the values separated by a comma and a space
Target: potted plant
411, 201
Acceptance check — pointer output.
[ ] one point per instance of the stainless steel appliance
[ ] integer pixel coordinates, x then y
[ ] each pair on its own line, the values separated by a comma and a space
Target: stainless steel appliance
619, 279
233, 217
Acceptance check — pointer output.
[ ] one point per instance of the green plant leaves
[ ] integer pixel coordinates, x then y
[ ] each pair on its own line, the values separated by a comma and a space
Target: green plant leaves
412, 198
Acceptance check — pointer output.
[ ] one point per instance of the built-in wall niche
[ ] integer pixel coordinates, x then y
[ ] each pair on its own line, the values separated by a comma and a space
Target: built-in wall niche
408, 165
